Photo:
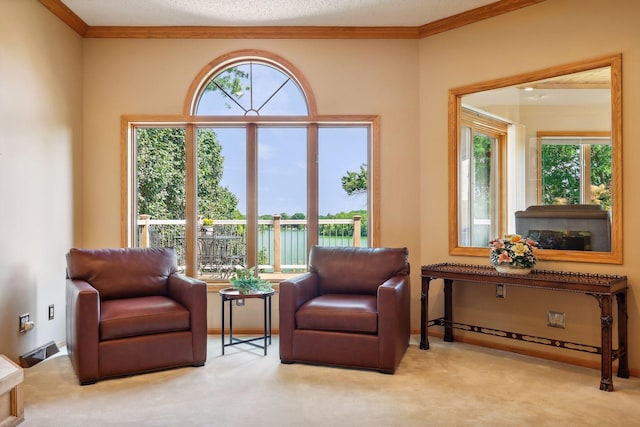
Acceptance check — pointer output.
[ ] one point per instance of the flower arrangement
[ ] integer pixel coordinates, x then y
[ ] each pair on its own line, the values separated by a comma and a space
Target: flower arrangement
514, 251
246, 281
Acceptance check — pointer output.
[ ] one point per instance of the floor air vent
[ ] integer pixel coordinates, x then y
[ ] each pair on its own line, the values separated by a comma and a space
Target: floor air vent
33, 357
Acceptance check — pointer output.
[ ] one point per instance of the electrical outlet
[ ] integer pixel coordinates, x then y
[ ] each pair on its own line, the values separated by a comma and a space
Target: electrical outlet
501, 291
23, 320
51, 312
240, 302
555, 319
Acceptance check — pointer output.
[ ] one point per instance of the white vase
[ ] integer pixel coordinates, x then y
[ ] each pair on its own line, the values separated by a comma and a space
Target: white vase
509, 269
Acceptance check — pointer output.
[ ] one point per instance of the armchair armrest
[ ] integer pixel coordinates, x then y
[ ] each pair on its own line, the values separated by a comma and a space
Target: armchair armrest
192, 293
293, 293
394, 319
299, 289
82, 319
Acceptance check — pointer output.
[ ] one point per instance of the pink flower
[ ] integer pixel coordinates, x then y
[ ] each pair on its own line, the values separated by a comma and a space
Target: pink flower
504, 257
497, 244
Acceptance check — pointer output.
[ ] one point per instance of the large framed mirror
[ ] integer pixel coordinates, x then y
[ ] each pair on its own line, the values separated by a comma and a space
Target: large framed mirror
539, 154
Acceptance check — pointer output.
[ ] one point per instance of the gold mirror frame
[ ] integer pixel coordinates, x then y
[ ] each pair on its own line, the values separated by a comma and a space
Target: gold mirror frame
455, 96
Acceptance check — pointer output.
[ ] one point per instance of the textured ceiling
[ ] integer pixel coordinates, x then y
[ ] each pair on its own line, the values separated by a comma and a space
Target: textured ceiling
348, 13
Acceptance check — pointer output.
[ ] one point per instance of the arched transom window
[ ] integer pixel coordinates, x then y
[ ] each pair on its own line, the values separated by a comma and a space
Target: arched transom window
252, 88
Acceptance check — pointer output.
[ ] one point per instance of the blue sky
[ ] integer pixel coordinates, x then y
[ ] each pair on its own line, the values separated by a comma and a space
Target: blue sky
282, 162
282, 152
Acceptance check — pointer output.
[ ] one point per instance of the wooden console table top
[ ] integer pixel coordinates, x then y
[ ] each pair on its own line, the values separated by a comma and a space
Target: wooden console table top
556, 280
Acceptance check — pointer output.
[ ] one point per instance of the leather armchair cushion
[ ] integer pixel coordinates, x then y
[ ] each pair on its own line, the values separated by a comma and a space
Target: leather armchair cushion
130, 317
123, 273
337, 312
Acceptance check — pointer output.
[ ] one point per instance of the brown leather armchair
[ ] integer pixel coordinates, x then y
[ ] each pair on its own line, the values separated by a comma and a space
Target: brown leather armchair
129, 312
351, 309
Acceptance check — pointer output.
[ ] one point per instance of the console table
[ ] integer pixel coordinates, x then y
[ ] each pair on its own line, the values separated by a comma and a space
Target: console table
602, 287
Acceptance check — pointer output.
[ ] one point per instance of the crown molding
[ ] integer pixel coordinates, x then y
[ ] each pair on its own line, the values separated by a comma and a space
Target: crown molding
66, 15
264, 32
290, 32
474, 15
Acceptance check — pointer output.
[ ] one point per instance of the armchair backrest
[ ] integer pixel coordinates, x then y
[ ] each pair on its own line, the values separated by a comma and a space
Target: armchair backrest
356, 270
123, 273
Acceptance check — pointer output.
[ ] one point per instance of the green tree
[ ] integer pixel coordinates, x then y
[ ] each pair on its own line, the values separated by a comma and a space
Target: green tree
214, 201
560, 174
230, 83
601, 175
329, 229
161, 172
482, 156
356, 182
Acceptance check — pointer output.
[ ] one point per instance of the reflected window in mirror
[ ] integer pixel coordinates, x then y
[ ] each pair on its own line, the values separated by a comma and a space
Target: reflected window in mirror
575, 168
503, 159
481, 180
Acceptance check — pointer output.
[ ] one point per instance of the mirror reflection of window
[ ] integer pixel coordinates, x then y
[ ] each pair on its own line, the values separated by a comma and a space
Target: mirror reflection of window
481, 153
575, 169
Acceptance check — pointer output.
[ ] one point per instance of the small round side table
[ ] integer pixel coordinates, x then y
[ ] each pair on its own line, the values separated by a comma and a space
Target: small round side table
231, 294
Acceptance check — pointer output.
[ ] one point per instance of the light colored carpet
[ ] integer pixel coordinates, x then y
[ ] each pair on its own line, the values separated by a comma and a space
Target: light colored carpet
453, 384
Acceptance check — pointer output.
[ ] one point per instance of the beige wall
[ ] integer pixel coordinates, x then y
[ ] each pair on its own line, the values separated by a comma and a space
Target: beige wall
40, 130
551, 33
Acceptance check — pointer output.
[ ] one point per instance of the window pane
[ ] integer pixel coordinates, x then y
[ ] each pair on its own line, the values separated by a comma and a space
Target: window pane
576, 170
266, 82
288, 101
221, 201
252, 88
216, 103
484, 200
561, 172
160, 188
343, 185
601, 175
478, 188
282, 189
464, 188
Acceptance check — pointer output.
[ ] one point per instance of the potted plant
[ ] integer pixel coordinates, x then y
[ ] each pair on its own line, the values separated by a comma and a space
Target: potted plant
513, 254
246, 281
206, 226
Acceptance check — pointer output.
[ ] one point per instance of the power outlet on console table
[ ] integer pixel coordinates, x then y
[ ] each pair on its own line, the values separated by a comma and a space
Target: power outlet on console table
555, 319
